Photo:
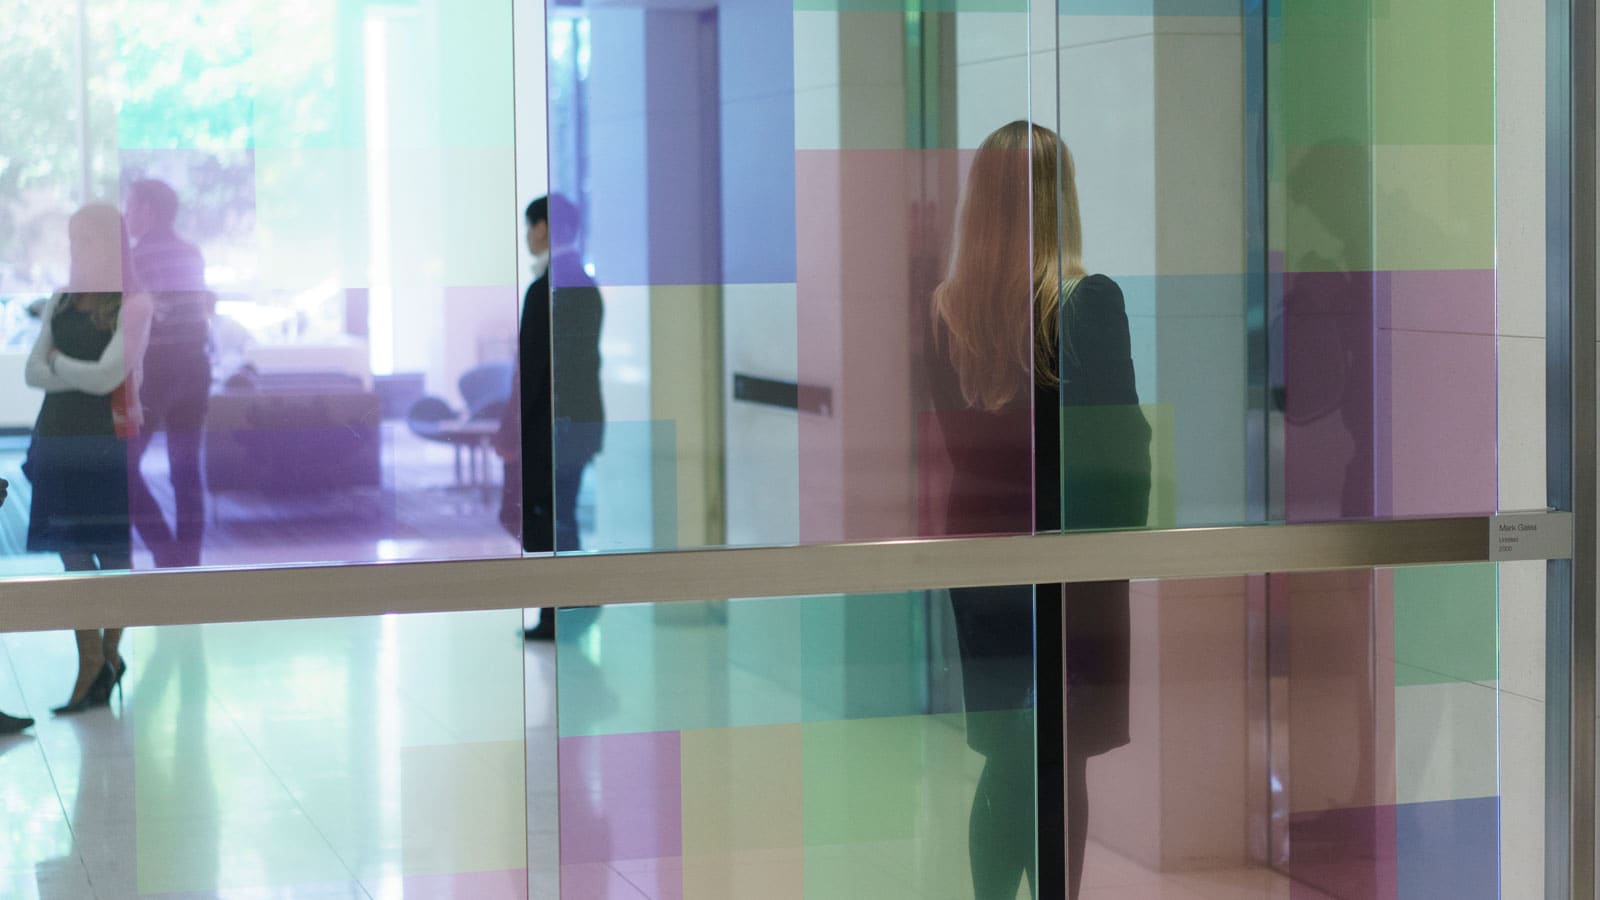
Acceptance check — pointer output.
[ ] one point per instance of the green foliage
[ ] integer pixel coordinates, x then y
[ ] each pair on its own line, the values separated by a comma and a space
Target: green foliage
204, 77
38, 132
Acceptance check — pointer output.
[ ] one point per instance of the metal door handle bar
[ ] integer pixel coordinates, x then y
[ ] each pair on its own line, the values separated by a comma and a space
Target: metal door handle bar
808, 398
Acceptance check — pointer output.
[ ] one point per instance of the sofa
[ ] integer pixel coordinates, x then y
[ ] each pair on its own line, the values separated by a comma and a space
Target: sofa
293, 433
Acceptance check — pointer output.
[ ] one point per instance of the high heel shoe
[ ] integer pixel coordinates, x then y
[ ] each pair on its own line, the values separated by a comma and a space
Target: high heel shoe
14, 724
98, 694
101, 689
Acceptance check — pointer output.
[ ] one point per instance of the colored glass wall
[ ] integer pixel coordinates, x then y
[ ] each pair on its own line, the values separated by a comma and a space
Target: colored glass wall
1382, 153
1311, 735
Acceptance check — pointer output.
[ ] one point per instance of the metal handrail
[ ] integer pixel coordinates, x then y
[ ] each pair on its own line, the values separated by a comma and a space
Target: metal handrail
200, 596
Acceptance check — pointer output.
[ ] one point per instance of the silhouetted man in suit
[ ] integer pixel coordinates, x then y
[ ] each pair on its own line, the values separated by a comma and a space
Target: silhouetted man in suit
554, 424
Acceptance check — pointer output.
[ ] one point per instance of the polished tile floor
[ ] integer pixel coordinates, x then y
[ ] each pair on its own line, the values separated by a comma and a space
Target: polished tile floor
397, 757
346, 758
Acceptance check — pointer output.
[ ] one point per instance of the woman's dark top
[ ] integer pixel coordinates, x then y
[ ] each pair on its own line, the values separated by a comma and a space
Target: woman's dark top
76, 464
1087, 440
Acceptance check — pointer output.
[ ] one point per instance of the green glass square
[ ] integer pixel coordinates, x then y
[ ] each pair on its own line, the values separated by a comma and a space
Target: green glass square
1102, 486
1433, 64
888, 801
1446, 624
1320, 62
1434, 207
1327, 208
870, 780
863, 656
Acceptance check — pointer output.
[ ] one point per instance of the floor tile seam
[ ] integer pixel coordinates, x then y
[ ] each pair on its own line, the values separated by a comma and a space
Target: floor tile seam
1520, 695
1448, 679
639, 888
1056, 45
316, 826
67, 816
89, 873
458, 739
44, 756
88, 876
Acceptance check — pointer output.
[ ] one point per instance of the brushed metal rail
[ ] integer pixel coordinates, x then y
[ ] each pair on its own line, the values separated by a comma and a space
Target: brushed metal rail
192, 597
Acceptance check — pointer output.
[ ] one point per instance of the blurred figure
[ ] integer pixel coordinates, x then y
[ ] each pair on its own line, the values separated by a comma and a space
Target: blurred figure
87, 360
177, 372
1008, 377
554, 424
11, 724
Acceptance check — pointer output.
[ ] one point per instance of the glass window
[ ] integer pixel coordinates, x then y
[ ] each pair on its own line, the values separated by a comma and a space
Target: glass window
319, 326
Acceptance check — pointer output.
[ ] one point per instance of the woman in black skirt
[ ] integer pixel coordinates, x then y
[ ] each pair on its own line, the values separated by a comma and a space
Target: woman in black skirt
1033, 386
87, 359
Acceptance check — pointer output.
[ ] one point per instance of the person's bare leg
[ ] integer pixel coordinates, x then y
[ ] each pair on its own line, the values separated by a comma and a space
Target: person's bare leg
110, 638
183, 459
143, 510
91, 660
91, 655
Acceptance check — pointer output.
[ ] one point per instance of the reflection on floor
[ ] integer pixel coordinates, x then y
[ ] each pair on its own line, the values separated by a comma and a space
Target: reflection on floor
343, 758
368, 758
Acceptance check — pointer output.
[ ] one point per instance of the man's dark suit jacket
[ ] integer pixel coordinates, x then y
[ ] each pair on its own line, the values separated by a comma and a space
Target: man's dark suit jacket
556, 419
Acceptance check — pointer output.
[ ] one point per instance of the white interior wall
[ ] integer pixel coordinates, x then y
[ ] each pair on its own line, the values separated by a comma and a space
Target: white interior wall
762, 462
763, 442
452, 275
533, 150
1520, 237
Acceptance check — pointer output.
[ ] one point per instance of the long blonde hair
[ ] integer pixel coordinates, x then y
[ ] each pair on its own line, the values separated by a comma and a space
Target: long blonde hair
1020, 167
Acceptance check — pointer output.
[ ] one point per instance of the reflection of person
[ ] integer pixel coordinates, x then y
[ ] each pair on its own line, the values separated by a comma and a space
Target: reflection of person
554, 424
1003, 397
87, 360
177, 372
1328, 337
11, 724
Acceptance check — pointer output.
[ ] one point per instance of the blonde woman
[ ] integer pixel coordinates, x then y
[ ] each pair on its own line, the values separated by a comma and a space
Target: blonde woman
1023, 337
87, 361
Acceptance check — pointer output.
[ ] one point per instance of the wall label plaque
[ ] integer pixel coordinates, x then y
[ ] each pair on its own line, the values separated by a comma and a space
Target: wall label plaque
1530, 535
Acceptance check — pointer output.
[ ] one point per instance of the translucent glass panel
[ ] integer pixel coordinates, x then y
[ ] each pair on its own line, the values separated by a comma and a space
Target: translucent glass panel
1340, 735
757, 206
315, 269
1347, 735
765, 195
769, 200
798, 747
1161, 105
1388, 692
1382, 149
